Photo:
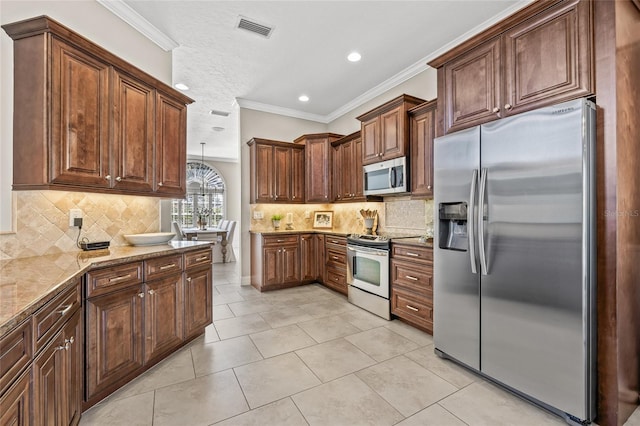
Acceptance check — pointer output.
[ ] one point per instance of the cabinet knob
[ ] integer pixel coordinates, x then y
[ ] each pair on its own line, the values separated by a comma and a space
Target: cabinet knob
118, 178
140, 295
152, 292
107, 177
160, 184
188, 279
496, 110
275, 196
508, 106
428, 186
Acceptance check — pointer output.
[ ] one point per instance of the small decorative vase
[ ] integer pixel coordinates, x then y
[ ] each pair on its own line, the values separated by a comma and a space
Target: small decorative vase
203, 224
276, 224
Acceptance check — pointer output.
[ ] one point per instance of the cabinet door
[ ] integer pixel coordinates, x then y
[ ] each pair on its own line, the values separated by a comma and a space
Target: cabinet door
347, 170
297, 176
114, 338
290, 263
262, 170
337, 167
272, 268
392, 133
74, 364
308, 269
282, 174
198, 301
357, 175
318, 183
320, 257
133, 118
422, 134
171, 146
472, 87
79, 118
371, 141
548, 58
163, 317
15, 403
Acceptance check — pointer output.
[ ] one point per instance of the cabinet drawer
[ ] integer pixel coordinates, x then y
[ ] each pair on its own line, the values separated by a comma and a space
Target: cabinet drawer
197, 258
52, 316
336, 258
332, 239
278, 240
412, 253
337, 280
418, 277
410, 306
16, 351
107, 280
162, 266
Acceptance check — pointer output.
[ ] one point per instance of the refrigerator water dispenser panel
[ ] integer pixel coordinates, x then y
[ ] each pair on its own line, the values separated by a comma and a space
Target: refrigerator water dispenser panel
453, 226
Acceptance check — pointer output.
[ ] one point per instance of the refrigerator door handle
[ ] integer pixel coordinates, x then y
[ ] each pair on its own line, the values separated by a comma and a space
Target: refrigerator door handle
481, 196
470, 221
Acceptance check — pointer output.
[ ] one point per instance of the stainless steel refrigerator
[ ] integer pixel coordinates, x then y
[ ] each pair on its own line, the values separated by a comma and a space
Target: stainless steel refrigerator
514, 254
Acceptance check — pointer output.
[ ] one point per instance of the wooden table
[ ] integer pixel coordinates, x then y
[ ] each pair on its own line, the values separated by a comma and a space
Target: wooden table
190, 233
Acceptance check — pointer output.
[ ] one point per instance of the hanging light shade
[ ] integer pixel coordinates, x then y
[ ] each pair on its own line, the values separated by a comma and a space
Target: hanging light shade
202, 188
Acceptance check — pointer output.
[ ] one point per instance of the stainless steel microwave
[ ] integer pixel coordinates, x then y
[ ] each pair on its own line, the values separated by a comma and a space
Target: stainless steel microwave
386, 177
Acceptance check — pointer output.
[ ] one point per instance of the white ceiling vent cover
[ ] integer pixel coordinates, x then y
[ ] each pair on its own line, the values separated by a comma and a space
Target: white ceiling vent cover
245, 23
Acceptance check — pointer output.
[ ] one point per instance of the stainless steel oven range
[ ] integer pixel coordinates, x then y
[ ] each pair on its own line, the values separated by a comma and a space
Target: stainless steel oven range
368, 273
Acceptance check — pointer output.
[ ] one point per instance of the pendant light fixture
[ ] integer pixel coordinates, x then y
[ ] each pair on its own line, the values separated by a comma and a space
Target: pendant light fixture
202, 168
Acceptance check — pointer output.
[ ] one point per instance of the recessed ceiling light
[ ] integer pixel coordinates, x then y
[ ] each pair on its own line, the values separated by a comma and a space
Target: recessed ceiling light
354, 57
181, 86
217, 128
303, 98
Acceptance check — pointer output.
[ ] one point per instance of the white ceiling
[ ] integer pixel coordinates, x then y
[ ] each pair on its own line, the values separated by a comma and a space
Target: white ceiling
306, 53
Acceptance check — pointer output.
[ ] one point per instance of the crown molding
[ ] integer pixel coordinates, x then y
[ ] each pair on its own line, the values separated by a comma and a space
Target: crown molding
133, 18
288, 112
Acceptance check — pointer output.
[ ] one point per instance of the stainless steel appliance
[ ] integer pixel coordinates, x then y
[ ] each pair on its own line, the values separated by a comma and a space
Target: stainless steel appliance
368, 273
386, 177
514, 259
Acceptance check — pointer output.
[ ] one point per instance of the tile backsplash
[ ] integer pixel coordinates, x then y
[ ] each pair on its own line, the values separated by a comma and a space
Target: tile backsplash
42, 221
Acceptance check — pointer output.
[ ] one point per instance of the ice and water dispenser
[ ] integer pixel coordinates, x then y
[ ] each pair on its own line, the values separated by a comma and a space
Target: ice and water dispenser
453, 226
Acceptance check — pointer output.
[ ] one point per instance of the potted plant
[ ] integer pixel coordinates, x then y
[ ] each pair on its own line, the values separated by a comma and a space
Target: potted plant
275, 219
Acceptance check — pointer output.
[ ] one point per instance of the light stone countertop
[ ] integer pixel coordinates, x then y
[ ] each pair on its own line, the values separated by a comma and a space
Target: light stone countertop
26, 284
300, 231
414, 241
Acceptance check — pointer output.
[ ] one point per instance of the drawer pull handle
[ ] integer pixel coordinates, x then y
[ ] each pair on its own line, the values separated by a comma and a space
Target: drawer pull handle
279, 241
152, 292
412, 308
334, 257
199, 259
65, 310
409, 253
411, 278
172, 265
335, 242
120, 278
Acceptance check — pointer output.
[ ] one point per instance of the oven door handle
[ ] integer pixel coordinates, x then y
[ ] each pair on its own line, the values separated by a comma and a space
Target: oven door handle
374, 252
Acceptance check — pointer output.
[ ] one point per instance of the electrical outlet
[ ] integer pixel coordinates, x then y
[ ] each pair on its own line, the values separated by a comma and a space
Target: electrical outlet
74, 214
257, 215
307, 214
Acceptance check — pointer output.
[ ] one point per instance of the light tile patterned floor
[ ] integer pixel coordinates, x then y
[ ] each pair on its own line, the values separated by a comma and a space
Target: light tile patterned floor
305, 356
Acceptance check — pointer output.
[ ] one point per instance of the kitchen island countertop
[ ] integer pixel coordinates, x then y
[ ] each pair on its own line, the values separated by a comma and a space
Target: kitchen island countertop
26, 284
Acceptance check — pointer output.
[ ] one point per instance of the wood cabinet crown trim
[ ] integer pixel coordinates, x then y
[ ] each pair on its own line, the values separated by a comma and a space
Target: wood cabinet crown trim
423, 107
495, 30
261, 141
304, 138
44, 24
393, 103
347, 138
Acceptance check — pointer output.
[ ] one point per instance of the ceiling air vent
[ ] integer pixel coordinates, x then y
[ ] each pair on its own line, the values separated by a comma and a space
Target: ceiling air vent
250, 25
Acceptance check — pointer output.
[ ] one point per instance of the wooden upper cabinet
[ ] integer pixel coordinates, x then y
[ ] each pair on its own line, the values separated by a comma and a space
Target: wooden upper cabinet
133, 120
171, 142
347, 163
85, 120
79, 118
422, 120
539, 56
318, 187
385, 130
277, 171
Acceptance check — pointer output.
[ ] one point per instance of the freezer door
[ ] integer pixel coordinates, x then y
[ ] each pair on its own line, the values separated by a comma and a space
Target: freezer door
456, 297
535, 294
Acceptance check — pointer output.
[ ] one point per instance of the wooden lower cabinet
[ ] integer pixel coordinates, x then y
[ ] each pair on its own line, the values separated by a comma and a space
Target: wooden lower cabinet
336, 263
163, 315
308, 255
16, 402
275, 261
412, 285
198, 300
114, 340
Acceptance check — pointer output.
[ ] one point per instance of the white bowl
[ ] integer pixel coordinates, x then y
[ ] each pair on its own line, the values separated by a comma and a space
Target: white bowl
150, 239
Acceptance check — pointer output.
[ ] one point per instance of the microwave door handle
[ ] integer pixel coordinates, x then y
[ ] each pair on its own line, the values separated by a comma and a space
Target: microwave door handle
392, 177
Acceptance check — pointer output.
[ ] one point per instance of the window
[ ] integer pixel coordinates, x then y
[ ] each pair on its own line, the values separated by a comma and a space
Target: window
205, 198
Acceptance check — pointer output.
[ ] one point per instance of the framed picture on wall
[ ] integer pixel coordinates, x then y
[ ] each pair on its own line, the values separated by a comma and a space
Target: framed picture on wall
323, 220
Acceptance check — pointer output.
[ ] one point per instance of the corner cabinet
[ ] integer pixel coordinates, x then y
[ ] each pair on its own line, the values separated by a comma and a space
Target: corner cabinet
86, 120
348, 178
277, 171
317, 148
385, 130
539, 56
422, 131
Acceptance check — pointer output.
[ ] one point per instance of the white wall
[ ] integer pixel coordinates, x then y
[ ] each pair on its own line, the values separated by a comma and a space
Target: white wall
267, 126
94, 22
